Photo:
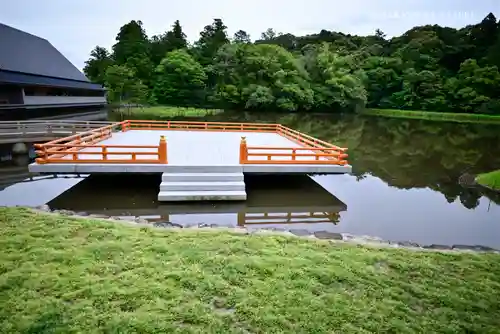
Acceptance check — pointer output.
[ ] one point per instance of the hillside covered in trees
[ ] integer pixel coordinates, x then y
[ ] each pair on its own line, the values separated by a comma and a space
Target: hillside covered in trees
427, 68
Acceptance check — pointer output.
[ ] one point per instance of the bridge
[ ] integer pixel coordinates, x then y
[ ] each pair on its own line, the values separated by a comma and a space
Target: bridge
36, 131
20, 174
204, 160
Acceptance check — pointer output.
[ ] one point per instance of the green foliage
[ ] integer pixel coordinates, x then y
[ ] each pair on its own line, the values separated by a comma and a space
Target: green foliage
476, 89
132, 49
337, 83
162, 113
211, 39
429, 68
384, 78
179, 79
241, 36
434, 116
169, 41
62, 275
123, 86
490, 180
264, 77
95, 68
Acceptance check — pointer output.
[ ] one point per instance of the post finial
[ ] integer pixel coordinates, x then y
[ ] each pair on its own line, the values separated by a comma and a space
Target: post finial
162, 137
243, 139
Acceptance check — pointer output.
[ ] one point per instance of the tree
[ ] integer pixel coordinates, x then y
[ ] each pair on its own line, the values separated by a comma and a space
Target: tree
483, 35
493, 57
337, 83
428, 68
211, 39
95, 68
176, 37
180, 79
123, 86
384, 77
423, 51
421, 90
133, 50
241, 36
268, 35
263, 77
380, 34
475, 89
169, 41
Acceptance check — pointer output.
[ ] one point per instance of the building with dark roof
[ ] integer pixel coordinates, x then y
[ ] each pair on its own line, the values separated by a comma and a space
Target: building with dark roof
35, 78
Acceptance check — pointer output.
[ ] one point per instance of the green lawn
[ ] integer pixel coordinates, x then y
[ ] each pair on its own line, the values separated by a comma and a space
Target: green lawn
490, 180
434, 116
67, 275
164, 112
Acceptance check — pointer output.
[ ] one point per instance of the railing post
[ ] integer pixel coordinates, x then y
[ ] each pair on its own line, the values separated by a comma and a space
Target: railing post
125, 125
104, 153
162, 150
42, 155
243, 150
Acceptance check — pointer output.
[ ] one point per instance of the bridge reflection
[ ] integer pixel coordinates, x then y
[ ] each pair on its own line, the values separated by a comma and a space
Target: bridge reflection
271, 201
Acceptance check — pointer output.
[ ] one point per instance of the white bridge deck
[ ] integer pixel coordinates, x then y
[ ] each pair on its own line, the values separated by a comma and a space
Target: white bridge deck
193, 151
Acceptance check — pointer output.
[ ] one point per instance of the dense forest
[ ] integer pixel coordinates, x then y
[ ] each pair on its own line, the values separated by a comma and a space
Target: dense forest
427, 68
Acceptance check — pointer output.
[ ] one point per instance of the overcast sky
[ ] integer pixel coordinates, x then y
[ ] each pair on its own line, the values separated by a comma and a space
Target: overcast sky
75, 27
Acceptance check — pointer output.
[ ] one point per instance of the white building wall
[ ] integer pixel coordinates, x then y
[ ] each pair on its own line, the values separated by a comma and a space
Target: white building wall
32, 100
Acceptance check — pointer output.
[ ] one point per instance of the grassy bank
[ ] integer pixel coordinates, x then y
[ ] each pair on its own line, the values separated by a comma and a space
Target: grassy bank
163, 112
434, 116
490, 180
60, 274
166, 112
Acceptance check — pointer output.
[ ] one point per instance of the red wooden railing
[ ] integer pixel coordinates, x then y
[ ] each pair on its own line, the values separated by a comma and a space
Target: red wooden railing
84, 148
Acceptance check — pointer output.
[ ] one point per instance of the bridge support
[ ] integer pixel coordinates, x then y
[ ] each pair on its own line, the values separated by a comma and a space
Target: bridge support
19, 148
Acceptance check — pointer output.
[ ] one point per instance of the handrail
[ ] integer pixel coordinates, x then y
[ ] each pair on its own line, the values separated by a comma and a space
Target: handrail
52, 122
76, 148
293, 155
74, 153
302, 138
199, 126
21, 129
79, 135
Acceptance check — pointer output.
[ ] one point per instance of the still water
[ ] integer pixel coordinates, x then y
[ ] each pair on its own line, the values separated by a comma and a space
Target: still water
404, 186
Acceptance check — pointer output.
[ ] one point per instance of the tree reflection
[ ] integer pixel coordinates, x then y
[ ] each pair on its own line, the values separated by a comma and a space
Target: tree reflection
408, 153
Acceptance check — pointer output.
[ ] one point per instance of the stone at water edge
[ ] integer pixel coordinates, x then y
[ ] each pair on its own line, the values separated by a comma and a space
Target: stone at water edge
434, 246
328, 235
139, 220
98, 216
300, 233
81, 214
64, 212
44, 208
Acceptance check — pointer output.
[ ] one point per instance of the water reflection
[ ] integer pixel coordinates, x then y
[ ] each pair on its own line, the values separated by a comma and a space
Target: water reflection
284, 201
420, 215
404, 186
36, 190
405, 154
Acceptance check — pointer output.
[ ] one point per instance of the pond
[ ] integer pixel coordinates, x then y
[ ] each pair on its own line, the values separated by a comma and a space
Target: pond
404, 186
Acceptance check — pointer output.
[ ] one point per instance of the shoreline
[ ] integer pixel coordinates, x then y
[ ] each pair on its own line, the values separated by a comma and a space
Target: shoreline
433, 116
332, 237
166, 112
65, 273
